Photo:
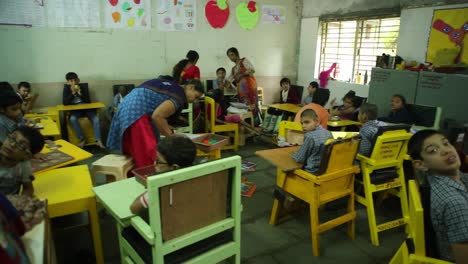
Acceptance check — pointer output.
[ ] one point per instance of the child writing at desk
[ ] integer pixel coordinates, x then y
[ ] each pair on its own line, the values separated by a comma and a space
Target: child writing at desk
15, 152
314, 138
432, 154
173, 153
75, 93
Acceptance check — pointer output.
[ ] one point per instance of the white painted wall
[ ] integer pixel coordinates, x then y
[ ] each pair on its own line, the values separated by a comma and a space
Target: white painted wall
101, 57
415, 26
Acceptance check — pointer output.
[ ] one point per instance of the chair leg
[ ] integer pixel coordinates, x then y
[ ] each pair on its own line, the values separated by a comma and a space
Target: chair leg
95, 231
314, 228
351, 224
236, 139
277, 207
371, 217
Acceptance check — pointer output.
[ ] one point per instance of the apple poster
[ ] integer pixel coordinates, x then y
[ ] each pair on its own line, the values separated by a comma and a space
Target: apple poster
128, 14
176, 15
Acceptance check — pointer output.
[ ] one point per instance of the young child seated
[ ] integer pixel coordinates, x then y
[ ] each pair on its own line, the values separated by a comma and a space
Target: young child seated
15, 152
173, 153
347, 109
313, 86
368, 117
121, 93
222, 83
10, 112
24, 90
432, 153
288, 95
314, 138
74, 93
398, 113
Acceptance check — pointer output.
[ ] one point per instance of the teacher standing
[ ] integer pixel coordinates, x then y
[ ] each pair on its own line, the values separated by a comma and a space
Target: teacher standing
142, 117
242, 76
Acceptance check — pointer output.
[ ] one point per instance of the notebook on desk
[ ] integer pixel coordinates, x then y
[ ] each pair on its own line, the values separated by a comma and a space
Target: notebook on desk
51, 159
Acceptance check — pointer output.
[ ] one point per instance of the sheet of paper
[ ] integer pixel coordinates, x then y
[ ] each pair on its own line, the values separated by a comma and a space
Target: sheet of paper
273, 14
134, 14
74, 13
22, 12
177, 15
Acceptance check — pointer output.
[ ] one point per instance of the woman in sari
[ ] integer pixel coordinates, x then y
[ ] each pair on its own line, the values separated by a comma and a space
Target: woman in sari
242, 76
187, 69
143, 115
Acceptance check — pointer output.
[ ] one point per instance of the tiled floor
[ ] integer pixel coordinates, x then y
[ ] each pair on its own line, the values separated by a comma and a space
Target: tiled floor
261, 243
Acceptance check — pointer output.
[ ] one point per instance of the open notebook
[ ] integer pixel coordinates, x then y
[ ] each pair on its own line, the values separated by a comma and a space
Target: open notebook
52, 158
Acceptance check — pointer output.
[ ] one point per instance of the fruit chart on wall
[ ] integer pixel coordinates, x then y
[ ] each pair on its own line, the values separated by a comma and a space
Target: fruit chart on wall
176, 15
128, 14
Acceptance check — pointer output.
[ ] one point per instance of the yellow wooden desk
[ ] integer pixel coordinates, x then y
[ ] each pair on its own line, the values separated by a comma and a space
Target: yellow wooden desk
70, 191
343, 123
50, 129
77, 153
286, 107
80, 106
50, 111
281, 158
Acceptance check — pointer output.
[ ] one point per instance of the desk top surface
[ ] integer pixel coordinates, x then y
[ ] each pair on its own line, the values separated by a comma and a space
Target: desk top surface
118, 196
42, 111
340, 123
80, 106
281, 158
286, 107
50, 127
64, 185
66, 147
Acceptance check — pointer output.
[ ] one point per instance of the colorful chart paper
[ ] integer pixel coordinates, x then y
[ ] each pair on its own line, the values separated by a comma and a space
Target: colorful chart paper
217, 13
128, 14
247, 14
177, 15
273, 14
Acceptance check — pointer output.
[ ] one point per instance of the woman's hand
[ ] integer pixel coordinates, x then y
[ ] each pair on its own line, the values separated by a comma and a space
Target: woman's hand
160, 116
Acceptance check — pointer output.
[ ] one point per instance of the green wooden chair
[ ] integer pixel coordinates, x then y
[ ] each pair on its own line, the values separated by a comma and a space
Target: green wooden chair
194, 217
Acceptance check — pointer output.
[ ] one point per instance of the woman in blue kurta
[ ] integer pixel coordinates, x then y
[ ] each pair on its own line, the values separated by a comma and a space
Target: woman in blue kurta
142, 117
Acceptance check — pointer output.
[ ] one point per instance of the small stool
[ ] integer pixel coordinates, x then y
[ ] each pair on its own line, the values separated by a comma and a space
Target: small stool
112, 164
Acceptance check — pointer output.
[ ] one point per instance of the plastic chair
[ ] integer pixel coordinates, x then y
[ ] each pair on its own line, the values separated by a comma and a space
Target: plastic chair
189, 127
212, 127
416, 252
261, 100
194, 217
335, 180
425, 117
383, 171
112, 164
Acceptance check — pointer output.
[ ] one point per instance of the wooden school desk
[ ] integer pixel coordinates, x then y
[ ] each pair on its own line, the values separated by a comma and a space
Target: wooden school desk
50, 128
66, 147
69, 191
80, 106
50, 111
343, 123
286, 107
281, 158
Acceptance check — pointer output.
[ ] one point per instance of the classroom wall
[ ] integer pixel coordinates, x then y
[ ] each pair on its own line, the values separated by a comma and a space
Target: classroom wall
103, 57
412, 42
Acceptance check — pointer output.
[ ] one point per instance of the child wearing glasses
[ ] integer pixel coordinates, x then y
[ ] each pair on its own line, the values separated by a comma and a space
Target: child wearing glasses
10, 112
15, 152
169, 159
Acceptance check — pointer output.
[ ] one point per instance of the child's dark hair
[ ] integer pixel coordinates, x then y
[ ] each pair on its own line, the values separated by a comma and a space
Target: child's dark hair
9, 98
25, 85
178, 150
233, 50
197, 83
221, 69
321, 96
314, 84
309, 113
402, 98
36, 140
416, 142
351, 95
370, 110
285, 80
71, 76
192, 56
5, 86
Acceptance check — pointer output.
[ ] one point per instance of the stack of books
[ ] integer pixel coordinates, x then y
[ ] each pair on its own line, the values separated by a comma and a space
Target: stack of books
247, 187
248, 166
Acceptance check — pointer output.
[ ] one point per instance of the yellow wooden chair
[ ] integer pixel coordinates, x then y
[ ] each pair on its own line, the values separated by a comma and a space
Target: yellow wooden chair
383, 171
212, 127
335, 180
416, 233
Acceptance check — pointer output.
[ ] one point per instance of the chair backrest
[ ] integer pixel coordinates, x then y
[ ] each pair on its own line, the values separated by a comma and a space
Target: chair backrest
210, 115
339, 154
291, 132
197, 202
429, 232
425, 116
260, 95
127, 87
416, 218
209, 85
390, 144
299, 90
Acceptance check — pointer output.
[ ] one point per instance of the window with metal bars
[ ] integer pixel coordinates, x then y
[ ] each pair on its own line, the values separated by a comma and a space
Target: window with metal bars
355, 44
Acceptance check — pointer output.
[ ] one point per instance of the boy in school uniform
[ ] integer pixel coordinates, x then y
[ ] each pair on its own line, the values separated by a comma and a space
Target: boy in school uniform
432, 153
76, 93
173, 153
15, 152
368, 117
314, 139
313, 86
24, 90
10, 112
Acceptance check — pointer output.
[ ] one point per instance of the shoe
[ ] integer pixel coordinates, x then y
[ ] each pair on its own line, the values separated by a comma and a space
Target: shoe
99, 143
82, 143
